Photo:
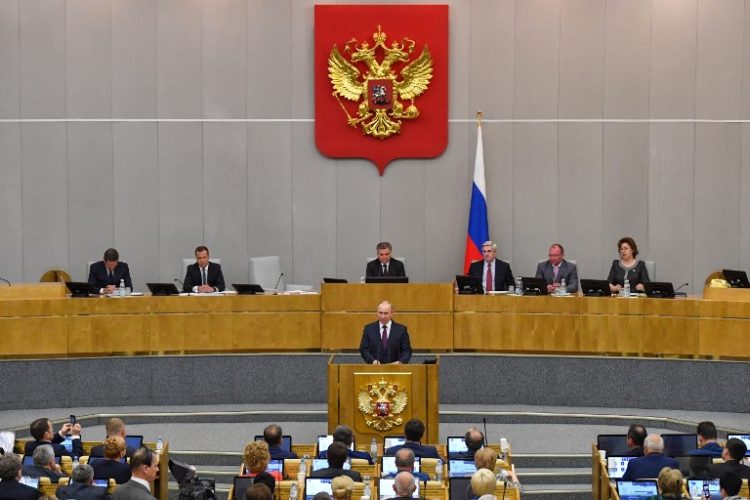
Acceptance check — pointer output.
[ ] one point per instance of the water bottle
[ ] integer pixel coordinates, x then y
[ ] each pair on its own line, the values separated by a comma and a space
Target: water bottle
439, 471
374, 450
159, 445
519, 286
121, 289
302, 470
293, 492
75, 462
626, 288
367, 491
562, 289
504, 449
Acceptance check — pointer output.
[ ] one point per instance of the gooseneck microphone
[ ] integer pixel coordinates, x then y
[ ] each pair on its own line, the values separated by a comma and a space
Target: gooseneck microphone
681, 287
3, 279
486, 438
276, 286
178, 280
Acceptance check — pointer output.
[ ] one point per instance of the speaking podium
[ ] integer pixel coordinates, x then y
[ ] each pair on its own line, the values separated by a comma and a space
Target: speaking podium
377, 400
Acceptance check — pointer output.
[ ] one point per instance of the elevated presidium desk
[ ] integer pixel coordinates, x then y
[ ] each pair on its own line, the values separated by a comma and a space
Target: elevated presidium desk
39, 320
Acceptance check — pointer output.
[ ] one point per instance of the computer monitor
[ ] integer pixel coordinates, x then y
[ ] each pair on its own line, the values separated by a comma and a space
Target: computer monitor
388, 465
735, 278
322, 463
616, 466
134, 441
315, 485
162, 289
679, 444
391, 441
456, 445
80, 289
613, 444
241, 484
637, 490
534, 286
248, 288
659, 290
324, 441
461, 468
458, 488
595, 288
286, 441
744, 438
385, 488
702, 488
469, 285
275, 466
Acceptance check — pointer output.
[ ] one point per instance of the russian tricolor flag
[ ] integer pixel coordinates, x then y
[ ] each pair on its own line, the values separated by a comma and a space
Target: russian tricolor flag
478, 225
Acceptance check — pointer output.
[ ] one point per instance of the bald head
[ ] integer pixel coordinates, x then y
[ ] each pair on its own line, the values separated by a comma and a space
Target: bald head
405, 460
404, 484
653, 444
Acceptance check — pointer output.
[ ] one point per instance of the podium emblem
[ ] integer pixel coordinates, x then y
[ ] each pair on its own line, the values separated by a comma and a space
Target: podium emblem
381, 404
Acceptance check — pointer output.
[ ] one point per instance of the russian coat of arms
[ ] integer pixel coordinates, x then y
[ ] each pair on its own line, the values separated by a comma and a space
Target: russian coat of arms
381, 404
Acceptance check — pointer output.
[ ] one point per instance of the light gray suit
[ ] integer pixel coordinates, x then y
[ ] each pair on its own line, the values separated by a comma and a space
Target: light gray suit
567, 270
132, 491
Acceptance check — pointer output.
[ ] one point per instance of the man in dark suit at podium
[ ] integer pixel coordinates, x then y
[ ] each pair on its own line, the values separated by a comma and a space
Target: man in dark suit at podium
498, 272
203, 276
385, 265
106, 274
385, 341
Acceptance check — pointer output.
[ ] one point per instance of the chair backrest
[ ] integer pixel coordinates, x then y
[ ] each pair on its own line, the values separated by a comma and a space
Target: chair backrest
47, 487
265, 271
88, 268
650, 267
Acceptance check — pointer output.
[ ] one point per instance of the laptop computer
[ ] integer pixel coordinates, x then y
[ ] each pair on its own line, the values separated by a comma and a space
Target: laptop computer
163, 289
386, 279
241, 484
81, 289
391, 441
702, 488
134, 441
286, 441
7, 441
616, 466
637, 490
534, 286
743, 437
736, 279
659, 290
385, 488
458, 487
335, 280
469, 285
322, 463
461, 468
679, 444
247, 288
455, 446
314, 485
595, 288
325, 440
388, 465
613, 444
30, 481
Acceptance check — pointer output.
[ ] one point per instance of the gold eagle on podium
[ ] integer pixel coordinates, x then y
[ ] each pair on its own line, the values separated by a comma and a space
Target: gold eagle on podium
381, 403
380, 112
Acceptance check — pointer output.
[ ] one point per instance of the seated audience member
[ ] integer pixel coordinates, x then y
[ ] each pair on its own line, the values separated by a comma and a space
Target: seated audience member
405, 462
110, 466
10, 474
106, 274
670, 483
557, 269
322, 495
144, 467
267, 479
258, 491
652, 461
636, 436
336, 456
256, 458
483, 482
730, 485
342, 488
474, 441
707, 445
82, 487
343, 434
384, 265
44, 464
41, 431
627, 266
414, 430
115, 427
732, 454
486, 458
272, 435
404, 485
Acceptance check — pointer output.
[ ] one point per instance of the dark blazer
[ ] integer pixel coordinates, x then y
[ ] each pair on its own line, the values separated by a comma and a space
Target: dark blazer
503, 274
78, 491
132, 491
60, 450
10, 489
98, 451
716, 470
397, 349
351, 454
330, 473
278, 453
99, 277
420, 450
375, 268
567, 270
105, 469
32, 470
634, 452
636, 275
215, 277
648, 466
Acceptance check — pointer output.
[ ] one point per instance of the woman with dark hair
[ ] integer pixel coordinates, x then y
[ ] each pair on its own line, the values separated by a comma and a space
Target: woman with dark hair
627, 266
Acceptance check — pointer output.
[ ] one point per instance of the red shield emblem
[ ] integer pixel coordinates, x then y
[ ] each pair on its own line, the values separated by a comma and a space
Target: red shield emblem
381, 81
383, 408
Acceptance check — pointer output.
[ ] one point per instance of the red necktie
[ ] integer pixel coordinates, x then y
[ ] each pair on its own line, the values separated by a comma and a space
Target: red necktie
384, 337
488, 279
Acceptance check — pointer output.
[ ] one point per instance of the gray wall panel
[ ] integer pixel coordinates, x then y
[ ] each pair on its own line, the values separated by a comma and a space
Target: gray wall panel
134, 58
88, 53
535, 179
745, 198
358, 193
746, 62
537, 58
499, 178
718, 75
673, 46
717, 198
459, 45
136, 199
302, 67
90, 194
45, 198
269, 64
670, 206
181, 210
10, 60
225, 196
625, 188
627, 59
224, 59
269, 165
579, 197
179, 58
42, 28
11, 223
581, 58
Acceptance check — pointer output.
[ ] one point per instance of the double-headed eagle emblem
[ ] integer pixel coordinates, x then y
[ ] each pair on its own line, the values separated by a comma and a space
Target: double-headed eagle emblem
381, 403
380, 112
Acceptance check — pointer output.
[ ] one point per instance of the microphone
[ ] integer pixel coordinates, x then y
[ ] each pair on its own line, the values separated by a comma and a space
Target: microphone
275, 287
681, 287
178, 280
3, 279
486, 439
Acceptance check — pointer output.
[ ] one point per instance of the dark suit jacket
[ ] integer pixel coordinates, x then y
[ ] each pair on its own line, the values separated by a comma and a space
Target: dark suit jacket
716, 470
98, 451
132, 491
215, 277
36, 471
329, 473
60, 450
398, 347
363, 455
420, 450
395, 268
10, 489
278, 453
99, 277
567, 270
636, 275
105, 469
503, 274
648, 466
77, 491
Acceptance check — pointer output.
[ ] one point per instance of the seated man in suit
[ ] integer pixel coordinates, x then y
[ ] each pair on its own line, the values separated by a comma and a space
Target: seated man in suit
41, 431
10, 475
557, 269
336, 456
635, 438
405, 462
44, 464
343, 434
733, 453
707, 445
82, 487
106, 274
144, 467
474, 440
652, 461
272, 435
385, 265
115, 427
496, 274
203, 276
385, 341
414, 430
